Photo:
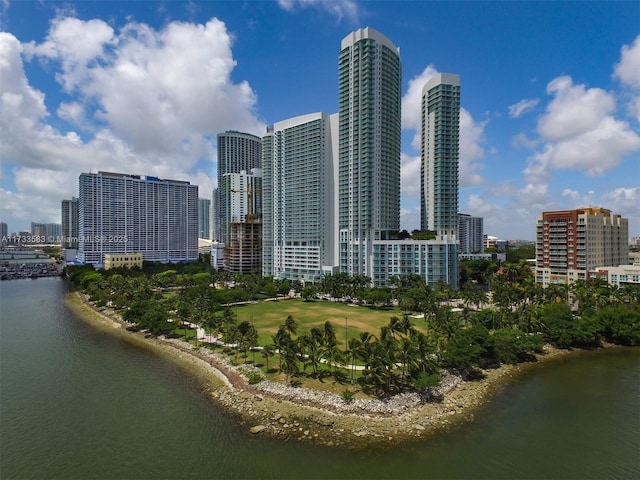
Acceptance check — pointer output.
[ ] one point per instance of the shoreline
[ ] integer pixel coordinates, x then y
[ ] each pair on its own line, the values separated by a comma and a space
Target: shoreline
317, 417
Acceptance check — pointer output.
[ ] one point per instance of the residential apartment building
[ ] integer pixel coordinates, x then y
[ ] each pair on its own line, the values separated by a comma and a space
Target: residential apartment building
46, 232
241, 211
237, 152
126, 214
440, 152
369, 87
470, 234
571, 243
299, 197
69, 213
433, 260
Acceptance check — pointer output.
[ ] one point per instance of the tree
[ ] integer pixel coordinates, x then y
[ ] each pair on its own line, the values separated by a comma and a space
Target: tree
291, 325
268, 351
558, 321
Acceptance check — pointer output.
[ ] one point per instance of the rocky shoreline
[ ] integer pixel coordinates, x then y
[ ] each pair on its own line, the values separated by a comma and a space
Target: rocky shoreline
315, 416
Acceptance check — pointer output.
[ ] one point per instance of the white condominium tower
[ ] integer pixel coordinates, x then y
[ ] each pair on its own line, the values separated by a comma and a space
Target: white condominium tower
299, 197
369, 146
237, 152
121, 213
440, 154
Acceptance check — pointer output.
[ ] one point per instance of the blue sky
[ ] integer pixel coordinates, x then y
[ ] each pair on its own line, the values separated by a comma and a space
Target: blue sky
550, 94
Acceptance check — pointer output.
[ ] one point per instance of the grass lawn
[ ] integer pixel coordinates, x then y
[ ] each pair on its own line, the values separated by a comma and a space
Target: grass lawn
268, 316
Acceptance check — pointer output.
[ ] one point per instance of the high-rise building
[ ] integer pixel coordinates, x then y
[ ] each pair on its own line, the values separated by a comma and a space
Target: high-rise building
470, 234
204, 217
440, 153
369, 87
237, 152
241, 201
4, 233
572, 243
299, 197
46, 232
69, 210
120, 213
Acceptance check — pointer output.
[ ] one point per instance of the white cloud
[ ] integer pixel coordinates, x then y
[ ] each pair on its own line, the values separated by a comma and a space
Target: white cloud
523, 106
628, 69
580, 132
571, 194
628, 72
339, 8
574, 109
521, 140
410, 174
148, 102
412, 104
471, 137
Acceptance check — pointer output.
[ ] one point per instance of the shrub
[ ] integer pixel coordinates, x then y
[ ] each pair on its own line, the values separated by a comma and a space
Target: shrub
347, 396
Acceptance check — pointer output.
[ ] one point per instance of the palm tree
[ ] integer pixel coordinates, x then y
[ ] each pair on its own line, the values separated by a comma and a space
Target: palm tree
267, 352
291, 325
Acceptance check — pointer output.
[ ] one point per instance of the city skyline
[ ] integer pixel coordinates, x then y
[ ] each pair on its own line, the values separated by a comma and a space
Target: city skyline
549, 116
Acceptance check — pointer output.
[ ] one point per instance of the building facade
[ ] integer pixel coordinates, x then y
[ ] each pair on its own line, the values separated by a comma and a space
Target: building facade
204, 217
122, 260
433, 260
299, 197
369, 86
470, 234
69, 213
46, 232
241, 209
571, 243
440, 153
124, 214
237, 152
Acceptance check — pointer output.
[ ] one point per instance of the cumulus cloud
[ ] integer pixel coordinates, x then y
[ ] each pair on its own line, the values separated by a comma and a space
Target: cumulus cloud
139, 101
339, 8
412, 103
628, 69
580, 132
523, 106
628, 72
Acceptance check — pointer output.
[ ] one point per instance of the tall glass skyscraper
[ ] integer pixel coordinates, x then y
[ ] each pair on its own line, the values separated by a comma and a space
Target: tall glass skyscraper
370, 76
204, 216
237, 152
440, 154
69, 211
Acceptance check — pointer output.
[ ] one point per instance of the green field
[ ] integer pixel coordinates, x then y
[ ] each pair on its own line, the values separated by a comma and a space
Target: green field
268, 316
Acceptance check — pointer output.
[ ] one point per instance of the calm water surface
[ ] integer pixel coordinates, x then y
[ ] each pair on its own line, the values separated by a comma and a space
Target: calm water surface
78, 403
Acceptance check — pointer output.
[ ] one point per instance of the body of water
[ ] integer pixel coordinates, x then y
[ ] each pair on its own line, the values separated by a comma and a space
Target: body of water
77, 403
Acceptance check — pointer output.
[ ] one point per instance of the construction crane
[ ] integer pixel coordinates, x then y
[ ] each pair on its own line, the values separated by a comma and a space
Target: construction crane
249, 217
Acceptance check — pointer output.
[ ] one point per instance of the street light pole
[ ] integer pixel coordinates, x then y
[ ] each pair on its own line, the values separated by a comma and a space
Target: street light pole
346, 335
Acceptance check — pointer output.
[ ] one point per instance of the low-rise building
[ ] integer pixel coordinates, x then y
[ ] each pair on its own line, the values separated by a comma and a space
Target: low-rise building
120, 260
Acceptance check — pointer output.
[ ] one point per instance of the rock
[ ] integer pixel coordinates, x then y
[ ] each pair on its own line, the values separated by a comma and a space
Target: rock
418, 427
257, 429
306, 432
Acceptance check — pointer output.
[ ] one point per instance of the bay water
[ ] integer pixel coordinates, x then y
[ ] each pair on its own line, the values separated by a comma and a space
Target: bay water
77, 403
